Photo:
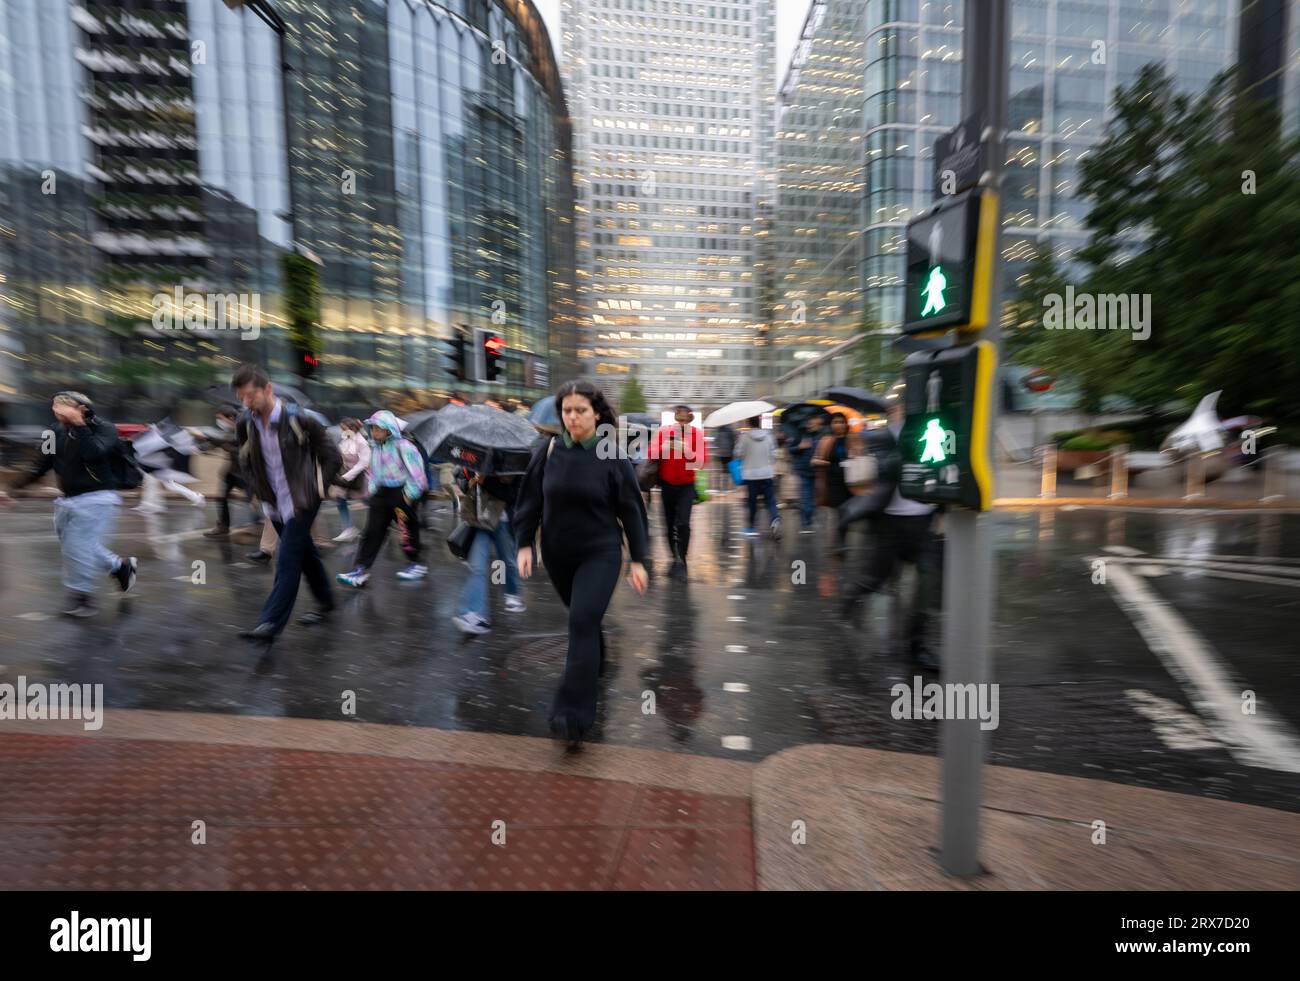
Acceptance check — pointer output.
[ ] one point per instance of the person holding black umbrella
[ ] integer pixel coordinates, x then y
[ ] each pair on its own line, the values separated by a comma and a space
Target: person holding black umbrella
584, 503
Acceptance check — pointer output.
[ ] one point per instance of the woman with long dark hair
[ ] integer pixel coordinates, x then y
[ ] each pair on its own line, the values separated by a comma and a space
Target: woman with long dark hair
585, 501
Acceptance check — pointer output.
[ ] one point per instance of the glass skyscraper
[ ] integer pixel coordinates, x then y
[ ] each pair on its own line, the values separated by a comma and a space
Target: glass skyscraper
1067, 57
672, 108
427, 169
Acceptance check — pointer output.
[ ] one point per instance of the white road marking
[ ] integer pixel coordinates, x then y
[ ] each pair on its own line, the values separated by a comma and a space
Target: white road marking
736, 742
1122, 550
735, 686
737, 648
1174, 726
35, 616
1261, 739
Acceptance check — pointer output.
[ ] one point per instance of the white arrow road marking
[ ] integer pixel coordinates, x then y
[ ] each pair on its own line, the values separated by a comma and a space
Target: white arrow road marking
1123, 550
1261, 739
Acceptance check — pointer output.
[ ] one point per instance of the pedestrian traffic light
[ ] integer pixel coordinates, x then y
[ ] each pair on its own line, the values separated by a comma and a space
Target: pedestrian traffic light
455, 355
950, 264
491, 350
945, 440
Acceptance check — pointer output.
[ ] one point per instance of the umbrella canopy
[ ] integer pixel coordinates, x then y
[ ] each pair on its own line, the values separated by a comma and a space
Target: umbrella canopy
736, 412
487, 440
544, 416
858, 398
221, 395
795, 418
644, 419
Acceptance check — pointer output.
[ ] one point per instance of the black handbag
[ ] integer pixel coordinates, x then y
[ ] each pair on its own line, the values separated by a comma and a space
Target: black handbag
647, 475
460, 539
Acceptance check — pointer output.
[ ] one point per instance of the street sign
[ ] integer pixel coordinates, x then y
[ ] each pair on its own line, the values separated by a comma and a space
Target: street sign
960, 157
944, 440
950, 254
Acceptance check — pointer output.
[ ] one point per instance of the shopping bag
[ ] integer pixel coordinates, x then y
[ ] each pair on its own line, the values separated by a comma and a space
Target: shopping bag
735, 466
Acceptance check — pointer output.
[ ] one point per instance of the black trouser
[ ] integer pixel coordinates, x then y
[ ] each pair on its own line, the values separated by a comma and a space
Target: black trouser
296, 559
905, 538
230, 481
678, 499
586, 585
386, 506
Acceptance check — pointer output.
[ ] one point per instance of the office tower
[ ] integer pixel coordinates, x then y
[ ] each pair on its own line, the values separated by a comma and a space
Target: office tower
671, 103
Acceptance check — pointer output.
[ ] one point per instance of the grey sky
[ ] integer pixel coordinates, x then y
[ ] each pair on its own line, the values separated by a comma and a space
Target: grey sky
790, 16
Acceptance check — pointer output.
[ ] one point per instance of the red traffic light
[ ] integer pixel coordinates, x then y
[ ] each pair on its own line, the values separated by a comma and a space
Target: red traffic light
495, 345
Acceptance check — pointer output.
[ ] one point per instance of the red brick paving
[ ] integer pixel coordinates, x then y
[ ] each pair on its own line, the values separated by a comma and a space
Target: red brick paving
86, 813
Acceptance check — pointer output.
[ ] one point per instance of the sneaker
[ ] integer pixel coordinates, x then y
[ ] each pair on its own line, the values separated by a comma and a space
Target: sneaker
749, 533
347, 534
199, 501
471, 623
259, 557
515, 605
125, 573
357, 578
413, 572
82, 605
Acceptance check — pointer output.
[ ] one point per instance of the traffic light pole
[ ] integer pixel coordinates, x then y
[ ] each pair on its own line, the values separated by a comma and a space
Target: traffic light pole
970, 576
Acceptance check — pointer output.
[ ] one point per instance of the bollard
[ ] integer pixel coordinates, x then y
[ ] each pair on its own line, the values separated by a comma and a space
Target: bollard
1195, 477
1274, 475
1119, 472
1048, 486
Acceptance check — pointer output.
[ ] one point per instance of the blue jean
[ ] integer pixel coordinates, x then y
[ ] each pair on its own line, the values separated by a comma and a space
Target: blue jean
82, 522
474, 597
807, 498
295, 558
345, 516
764, 488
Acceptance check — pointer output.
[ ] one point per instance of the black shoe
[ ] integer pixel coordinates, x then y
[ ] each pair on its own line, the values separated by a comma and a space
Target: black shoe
263, 632
217, 532
259, 557
848, 610
82, 605
125, 573
315, 617
926, 659
570, 733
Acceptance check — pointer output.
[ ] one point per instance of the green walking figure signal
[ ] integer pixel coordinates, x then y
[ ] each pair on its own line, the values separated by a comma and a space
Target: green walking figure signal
934, 287
934, 438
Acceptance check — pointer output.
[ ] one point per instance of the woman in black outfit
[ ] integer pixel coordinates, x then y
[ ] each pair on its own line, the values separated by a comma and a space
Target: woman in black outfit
584, 505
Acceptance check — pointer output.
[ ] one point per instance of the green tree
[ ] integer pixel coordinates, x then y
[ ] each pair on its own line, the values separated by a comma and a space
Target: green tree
1196, 204
632, 398
302, 306
876, 362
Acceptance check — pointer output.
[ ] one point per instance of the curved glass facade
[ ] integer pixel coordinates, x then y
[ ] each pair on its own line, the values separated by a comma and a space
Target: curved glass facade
143, 148
430, 173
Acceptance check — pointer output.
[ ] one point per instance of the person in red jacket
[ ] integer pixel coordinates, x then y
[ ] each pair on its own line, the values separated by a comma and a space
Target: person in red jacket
681, 452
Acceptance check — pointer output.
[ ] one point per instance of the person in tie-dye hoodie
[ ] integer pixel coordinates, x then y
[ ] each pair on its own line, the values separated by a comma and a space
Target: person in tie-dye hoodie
397, 483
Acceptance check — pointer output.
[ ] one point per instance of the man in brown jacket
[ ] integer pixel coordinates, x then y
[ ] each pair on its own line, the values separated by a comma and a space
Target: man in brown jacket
288, 460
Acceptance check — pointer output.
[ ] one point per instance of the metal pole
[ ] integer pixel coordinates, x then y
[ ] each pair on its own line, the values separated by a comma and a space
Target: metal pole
969, 572
1119, 472
1047, 487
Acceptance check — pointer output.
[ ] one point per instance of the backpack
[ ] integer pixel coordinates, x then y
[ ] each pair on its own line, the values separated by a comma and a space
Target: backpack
127, 473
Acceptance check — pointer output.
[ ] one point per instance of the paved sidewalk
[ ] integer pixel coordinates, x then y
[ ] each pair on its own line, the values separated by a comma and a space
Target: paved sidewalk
303, 804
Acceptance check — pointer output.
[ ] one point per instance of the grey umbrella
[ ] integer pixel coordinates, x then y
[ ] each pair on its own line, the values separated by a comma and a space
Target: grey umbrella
857, 398
482, 438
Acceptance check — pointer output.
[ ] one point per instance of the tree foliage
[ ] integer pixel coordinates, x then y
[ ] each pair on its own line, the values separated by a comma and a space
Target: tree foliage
1195, 202
632, 398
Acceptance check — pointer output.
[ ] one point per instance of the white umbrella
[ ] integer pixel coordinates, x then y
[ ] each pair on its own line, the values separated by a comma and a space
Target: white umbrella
738, 412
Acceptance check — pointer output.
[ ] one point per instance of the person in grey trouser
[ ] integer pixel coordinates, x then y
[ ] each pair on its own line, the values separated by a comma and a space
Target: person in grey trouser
91, 468
756, 448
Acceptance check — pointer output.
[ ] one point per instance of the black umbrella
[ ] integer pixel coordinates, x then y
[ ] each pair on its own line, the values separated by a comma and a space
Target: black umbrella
221, 395
484, 439
857, 398
794, 418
